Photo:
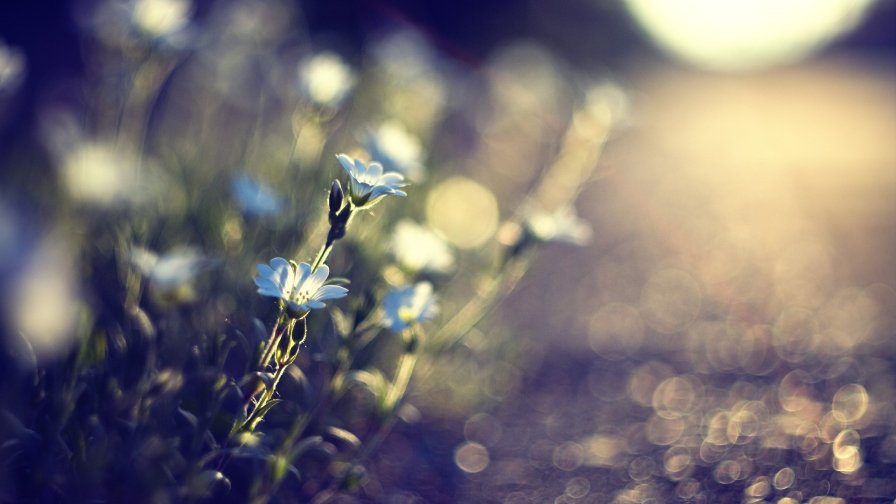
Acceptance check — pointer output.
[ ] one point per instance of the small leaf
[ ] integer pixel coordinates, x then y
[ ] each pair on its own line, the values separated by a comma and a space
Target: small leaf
343, 435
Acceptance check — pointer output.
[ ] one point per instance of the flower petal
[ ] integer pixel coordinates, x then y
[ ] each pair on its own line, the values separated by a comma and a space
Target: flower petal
329, 292
347, 164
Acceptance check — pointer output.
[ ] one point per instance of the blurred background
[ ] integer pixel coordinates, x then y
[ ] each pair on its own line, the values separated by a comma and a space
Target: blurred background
728, 333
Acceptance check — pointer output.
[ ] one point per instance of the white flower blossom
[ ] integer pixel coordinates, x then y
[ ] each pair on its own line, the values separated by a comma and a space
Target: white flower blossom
368, 183
419, 248
409, 305
301, 289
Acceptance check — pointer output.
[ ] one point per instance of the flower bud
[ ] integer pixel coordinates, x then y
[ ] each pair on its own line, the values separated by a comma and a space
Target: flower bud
336, 197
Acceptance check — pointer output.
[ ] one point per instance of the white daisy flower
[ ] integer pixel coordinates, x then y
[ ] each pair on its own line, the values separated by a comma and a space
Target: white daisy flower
325, 79
419, 248
171, 270
368, 183
396, 149
560, 225
301, 289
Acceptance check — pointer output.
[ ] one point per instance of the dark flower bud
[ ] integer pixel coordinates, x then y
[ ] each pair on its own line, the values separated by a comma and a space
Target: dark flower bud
338, 223
336, 197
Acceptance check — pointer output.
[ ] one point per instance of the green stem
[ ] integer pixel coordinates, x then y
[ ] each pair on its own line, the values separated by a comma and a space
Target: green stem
271, 344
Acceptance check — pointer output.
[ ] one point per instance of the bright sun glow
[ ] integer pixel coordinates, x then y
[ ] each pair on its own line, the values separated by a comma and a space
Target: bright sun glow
745, 34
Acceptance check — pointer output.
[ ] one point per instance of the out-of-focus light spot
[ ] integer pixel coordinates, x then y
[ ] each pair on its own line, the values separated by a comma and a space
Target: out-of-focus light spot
641, 468
793, 391
616, 331
784, 478
674, 398
483, 428
795, 334
670, 300
158, 18
42, 300
464, 211
850, 403
12, 69
569, 456
727, 472
325, 79
826, 499
644, 380
688, 489
677, 461
577, 488
717, 428
746, 34
846, 444
603, 450
471, 457
664, 431
758, 488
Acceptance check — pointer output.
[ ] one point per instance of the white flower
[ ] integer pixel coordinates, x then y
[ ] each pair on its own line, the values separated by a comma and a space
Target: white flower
560, 225
325, 79
161, 18
99, 173
301, 289
396, 149
419, 248
368, 183
255, 198
171, 270
406, 306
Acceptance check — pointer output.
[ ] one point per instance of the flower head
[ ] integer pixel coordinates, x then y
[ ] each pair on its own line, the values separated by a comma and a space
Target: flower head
255, 198
419, 248
325, 79
367, 184
171, 274
171, 270
397, 149
301, 289
409, 305
560, 225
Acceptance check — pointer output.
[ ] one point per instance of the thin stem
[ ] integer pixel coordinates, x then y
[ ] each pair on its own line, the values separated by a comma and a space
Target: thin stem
322, 255
271, 344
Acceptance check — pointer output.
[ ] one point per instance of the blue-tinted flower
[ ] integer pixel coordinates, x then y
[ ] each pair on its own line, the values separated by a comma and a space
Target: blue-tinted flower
367, 183
255, 198
301, 289
396, 149
419, 248
406, 306
560, 225
171, 270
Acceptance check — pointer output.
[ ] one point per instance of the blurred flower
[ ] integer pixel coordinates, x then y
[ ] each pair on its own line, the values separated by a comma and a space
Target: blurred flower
301, 289
368, 183
419, 248
42, 300
254, 198
12, 68
406, 306
560, 225
172, 271
325, 79
124, 22
396, 149
97, 172
161, 18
